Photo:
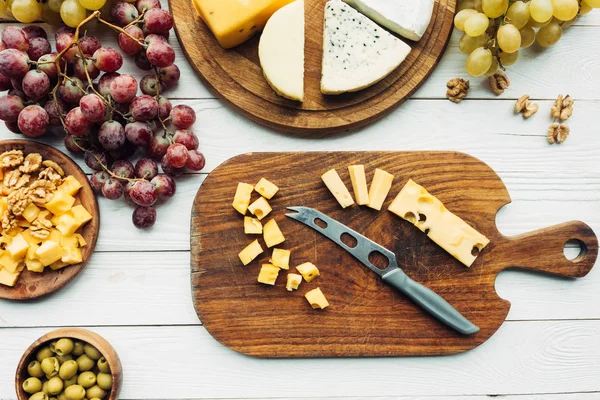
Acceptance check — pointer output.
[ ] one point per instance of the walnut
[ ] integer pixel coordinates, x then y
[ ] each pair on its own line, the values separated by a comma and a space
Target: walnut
11, 178
50, 174
499, 82
457, 89
563, 107
8, 221
40, 228
558, 133
12, 158
32, 163
18, 200
42, 191
54, 166
525, 106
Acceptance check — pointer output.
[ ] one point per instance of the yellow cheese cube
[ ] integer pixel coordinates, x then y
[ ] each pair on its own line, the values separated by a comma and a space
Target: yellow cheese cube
49, 252
241, 199
281, 258
317, 299
337, 188
31, 212
293, 281
380, 187
71, 255
81, 240
67, 224
31, 252
235, 21
70, 185
45, 214
250, 252
23, 223
58, 265
17, 248
30, 239
69, 241
268, 274
60, 203
9, 278
309, 271
55, 235
81, 214
266, 188
34, 265
7, 262
260, 208
359, 183
252, 226
272, 234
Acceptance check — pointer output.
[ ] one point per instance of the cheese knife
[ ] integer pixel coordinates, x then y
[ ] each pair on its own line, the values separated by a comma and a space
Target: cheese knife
393, 275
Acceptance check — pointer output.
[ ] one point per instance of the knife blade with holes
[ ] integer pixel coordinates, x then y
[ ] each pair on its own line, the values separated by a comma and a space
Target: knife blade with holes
393, 275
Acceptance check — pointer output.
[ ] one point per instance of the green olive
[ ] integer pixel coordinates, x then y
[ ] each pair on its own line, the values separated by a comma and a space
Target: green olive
86, 379
104, 380
77, 349
75, 392
45, 387
92, 352
35, 369
71, 381
52, 346
62, 396
62, 359
63, 347
55, 385
68, 369
32, 385
44, 352
85, 363
39, 396
95, 391
103, 365
50, 366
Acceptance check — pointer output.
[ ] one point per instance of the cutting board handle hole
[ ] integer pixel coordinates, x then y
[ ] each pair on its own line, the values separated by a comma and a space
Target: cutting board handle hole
349, 240
574, 250
320, 223
379, 260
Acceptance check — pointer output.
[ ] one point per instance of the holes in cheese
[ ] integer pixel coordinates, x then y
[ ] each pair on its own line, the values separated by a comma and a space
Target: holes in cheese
266, 188
281, 258
429, 214
250, 252
252, 226
336, 186
293, 282
308, 270
260, 208
241, 199
359, 184
317, 299
268, 274
272, 234
380, 187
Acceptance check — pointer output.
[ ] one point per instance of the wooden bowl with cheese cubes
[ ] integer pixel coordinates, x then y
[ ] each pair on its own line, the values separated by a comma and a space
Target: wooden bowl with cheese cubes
49, 219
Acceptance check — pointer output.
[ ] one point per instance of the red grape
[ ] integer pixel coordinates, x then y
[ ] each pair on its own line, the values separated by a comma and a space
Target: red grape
5, 83
75, 144
76, 123
169, 169
71, 91
144, 108
38, 46
112, 189
105, 82
164, 107
33, 121
95, 159
165, 185
13, 63
36, 84
155, 36
10, 107
169, 75
18, 93
98, 179
64, 38
145, 5
123, 169
123, 13
139, 133
196, 161
89, 45
160, 54
142, 61
54, 110
123, 88
144, 217
79, 69
107, 59
186, 138
158, 146
146, 168
143, 193
17, 83
150, 85
34, 31
92, 107
177, 155
46, 65
111, 135
13, 126
14, 38
157, 20
124, 152
127, 44
183, 116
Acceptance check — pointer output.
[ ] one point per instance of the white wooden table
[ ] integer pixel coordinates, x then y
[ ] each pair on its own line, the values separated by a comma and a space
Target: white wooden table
136, 289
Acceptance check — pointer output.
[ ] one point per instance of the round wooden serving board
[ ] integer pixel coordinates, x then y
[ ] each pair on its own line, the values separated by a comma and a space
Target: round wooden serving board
366, 317
236, 75
33, 284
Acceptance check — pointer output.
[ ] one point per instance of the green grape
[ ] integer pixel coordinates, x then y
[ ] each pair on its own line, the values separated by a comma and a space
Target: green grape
592, 3
534, 24
465, 5
565, 24
565, 10
508, 59
527, 37
478, 5
476, 24
50, 16
72, 13
96, 4
467, 44
541, 10
493, 68
548, 35
26, 11
494, 8
509, 38
55, 5
479, 62
518, 14
461, 17
585, 8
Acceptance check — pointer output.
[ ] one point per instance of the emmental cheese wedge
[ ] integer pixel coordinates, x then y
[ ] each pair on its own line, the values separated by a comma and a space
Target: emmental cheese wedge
337, 188
357, 53
268, 274
317, 299
427, 213
281, 51
380, 187
359, 184
250, 252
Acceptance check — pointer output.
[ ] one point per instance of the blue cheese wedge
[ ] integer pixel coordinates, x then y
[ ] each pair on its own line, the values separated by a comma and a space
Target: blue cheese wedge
357, 52
408, 18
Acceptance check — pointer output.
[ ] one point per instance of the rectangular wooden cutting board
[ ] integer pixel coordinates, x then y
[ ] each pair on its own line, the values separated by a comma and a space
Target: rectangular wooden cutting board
366, 317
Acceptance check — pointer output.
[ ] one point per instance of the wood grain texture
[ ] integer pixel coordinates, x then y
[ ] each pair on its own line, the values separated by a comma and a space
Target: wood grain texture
33, 284
114, 363
366, 317
236, 76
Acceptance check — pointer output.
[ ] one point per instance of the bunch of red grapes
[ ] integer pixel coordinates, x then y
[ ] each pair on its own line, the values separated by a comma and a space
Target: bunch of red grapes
77, 88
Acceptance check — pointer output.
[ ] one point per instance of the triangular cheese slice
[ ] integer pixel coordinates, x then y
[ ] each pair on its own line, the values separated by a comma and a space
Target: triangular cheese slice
357, 52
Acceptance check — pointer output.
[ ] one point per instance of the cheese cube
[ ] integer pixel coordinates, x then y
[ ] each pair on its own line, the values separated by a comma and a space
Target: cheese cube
281, 258
60, 203
266, 188
67, 224
359, 184
380, 187
34, 265
272, 234
260, 208
80, 213
235, 21
268, 274
308, 270
31, 240
55, 235
293, 281
7, 262
23, 223
17, 248
45, 214
31, 252
49, 252
241, 199
70, 185
252, 226
335, 185
81, 240
9, 278
317, 299
250, 252
58, 265
71, 255
31, 212
69, 241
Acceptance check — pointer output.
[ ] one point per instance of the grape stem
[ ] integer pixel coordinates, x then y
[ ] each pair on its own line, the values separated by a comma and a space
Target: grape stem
123, 31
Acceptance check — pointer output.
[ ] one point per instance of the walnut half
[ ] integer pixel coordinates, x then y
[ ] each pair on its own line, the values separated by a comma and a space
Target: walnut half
525, 106
11, 158
458, 89
499, 82
558, 133
563, 107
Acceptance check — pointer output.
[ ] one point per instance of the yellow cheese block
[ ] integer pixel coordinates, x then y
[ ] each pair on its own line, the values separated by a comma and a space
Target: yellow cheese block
9, 278
70, 185
380, 187
66, 224
359, 184
60, 203
31, 212
293, 281
272, 234
337, 188
17, 248
252, 226
281, 258
309, 271
427, 213
49, 252
34, 265
317, 299
235, 21
268, 274
260, 208
71, 255
8, 263
241, 199
266, 188
250, 252
80, 213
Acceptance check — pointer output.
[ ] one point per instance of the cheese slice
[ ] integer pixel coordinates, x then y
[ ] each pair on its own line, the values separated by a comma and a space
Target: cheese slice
427, 213
235, 21
408, 18
359, 183
380, 187
281, 51
337, 188
357, 52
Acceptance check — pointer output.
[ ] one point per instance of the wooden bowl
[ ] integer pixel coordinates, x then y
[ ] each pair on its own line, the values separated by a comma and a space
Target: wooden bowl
84, 335
33, 284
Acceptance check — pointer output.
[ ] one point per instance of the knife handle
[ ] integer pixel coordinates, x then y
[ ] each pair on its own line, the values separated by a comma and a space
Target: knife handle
433, 303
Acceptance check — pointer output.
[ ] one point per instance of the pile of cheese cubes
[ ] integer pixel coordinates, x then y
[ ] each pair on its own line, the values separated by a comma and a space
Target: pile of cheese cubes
272, 235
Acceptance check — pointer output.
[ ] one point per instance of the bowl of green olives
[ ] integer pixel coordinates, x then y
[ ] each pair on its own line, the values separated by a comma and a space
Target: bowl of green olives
69, 364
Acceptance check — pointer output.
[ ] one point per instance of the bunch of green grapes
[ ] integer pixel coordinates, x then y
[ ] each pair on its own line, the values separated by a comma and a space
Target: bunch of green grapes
495, 30
71, 12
